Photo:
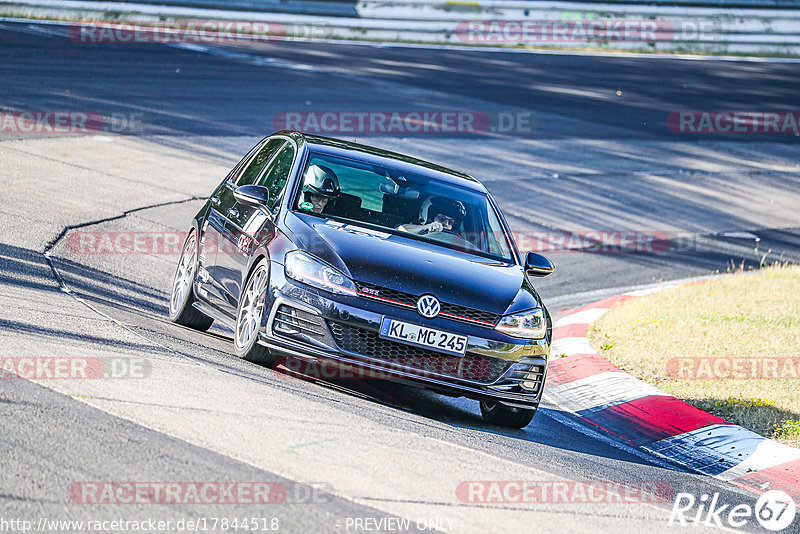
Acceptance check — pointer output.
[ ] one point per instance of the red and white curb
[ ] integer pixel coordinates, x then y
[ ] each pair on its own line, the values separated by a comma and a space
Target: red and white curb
618, 405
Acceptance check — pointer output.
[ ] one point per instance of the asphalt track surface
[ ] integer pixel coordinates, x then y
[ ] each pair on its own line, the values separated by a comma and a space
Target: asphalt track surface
594, 160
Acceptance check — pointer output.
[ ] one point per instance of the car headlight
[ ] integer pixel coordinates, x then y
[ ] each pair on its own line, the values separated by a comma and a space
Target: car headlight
306, 268
529, 324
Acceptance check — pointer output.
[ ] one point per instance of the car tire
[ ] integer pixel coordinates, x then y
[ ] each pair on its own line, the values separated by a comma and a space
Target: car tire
182, 296
499, 414
249, 313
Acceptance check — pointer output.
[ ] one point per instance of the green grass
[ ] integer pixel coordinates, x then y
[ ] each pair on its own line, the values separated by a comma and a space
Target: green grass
750, 318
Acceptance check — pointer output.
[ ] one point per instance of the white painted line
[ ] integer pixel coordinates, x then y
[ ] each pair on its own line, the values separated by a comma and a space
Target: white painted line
739, 235
582, 317
570, 346
643, 292
603, 389
769, 453
595, 295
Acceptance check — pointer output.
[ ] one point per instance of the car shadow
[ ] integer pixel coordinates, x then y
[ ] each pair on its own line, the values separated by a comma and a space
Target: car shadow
27, 268
550, 427
547, 428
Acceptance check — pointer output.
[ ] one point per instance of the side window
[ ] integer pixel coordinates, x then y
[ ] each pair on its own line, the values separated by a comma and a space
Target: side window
277, 173
242, 162
254, 166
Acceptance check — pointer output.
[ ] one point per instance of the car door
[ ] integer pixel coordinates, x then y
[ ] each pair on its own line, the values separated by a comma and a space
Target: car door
223, 206
246, 224
211, 234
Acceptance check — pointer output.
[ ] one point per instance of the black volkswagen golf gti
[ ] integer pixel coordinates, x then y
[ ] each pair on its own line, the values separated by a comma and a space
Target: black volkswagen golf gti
320, 250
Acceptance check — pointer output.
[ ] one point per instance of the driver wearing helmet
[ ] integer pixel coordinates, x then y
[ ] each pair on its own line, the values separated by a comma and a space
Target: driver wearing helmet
320, 186
438, 214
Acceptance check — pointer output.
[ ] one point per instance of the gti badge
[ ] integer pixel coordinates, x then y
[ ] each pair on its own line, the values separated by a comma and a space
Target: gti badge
370, 291
428, 306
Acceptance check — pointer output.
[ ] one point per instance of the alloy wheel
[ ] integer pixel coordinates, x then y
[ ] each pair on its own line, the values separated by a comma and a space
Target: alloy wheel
184, 274
251, 307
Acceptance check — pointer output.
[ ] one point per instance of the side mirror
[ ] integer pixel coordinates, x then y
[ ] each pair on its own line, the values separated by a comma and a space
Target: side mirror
538, 265
252, 195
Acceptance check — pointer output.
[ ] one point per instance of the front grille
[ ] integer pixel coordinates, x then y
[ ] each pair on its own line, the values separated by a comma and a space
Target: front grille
469, 313
471, 367
371, 290
452, 311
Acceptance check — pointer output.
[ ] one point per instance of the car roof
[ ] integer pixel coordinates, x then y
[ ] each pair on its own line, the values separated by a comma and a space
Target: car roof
386, 158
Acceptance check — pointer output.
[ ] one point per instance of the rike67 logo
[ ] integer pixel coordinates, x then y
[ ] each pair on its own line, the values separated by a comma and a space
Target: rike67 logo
774, 510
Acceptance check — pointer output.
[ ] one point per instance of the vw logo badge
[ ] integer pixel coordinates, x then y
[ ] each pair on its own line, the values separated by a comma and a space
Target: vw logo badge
428, 306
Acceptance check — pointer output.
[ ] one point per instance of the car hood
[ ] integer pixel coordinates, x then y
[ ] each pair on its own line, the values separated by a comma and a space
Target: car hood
415, 266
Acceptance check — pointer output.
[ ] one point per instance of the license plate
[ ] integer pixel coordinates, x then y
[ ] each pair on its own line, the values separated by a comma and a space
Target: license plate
422, 336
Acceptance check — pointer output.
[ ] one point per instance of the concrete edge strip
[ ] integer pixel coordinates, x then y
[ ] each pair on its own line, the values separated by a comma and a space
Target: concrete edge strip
609, 401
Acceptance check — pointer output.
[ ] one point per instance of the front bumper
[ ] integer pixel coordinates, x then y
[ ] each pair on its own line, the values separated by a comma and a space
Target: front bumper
310, 324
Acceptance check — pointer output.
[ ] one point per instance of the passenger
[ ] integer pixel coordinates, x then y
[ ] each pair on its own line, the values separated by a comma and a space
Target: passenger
320, 186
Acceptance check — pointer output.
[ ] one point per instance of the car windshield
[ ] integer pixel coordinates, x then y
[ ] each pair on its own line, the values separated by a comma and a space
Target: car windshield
407, 204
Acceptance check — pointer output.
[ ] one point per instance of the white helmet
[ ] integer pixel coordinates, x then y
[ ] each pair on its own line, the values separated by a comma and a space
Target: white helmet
321, 181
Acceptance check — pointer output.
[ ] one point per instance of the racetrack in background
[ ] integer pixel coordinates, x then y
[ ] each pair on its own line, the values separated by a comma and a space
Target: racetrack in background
588, 164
